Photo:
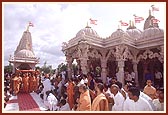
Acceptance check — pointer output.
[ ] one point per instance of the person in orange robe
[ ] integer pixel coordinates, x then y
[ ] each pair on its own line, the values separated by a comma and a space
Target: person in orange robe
37, 82
84, 103
16, 84
100, 102
30, 83
34, 83
70, 93
26, 83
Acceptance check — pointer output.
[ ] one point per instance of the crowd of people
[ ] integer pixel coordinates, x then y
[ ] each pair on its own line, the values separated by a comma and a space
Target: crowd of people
86, 92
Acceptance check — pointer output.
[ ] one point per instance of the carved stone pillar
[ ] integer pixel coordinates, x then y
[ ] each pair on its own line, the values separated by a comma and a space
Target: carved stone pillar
162, 56
13, 68
78, 65
103, 72
83, 49
136, 72
162, 60
121, 71
83, 65
69, 66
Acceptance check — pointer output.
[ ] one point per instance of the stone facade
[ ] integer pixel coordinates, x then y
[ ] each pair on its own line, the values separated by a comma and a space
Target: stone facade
132, 45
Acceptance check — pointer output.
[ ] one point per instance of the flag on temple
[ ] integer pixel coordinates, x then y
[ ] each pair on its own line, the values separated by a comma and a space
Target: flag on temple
123, 23
154, 8
31, 24
93, 21
154, 20
138, 19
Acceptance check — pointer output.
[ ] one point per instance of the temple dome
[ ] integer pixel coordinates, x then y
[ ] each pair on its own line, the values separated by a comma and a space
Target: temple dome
87, 31
25, 54
134, 33
118, 33
152, 31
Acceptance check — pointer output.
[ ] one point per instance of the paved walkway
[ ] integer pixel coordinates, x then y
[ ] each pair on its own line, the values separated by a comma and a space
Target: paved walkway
25, 102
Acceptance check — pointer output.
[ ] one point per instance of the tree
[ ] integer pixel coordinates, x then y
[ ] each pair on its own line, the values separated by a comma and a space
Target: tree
8, 68
37, 68
45, 68
62, 67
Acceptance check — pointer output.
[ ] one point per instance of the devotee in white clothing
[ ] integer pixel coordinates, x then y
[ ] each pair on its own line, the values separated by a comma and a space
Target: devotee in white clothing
64, 106
139, 103
118, 98
146, 97
47, 86
159, 102
51, 101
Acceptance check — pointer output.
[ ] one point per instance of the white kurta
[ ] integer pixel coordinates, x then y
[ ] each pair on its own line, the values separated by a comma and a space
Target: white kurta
126, 104
47, 87
159, 106
140, 105
118, 102
146, 97
51, 102
65, 107
126, 94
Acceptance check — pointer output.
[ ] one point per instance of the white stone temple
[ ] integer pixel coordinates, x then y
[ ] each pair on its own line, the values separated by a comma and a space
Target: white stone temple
131, 50
24, 57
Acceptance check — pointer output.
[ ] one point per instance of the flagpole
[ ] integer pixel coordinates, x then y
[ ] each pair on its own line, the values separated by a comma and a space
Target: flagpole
118, 26
152, 10
27, 28
134, 19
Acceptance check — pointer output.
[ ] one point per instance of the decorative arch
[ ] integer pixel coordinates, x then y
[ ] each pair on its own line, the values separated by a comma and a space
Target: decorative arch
149, 54
127, 54
111, 52
122, 52
94, 54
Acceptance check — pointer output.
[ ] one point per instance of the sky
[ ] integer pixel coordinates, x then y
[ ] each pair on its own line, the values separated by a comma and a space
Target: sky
58, 22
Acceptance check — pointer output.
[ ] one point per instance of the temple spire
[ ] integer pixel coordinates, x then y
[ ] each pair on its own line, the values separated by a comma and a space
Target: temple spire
118, 27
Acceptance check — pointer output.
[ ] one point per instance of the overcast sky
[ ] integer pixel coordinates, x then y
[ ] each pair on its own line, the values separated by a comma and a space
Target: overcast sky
55, 23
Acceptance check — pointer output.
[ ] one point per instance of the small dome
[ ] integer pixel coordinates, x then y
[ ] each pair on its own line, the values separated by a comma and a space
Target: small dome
25, 53
134, 33
87, 31
119, 32
152, 31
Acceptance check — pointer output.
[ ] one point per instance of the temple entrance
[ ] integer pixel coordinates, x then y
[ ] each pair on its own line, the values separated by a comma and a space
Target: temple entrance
95, 66
111, 66
128, 66
148, 66
24, 66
